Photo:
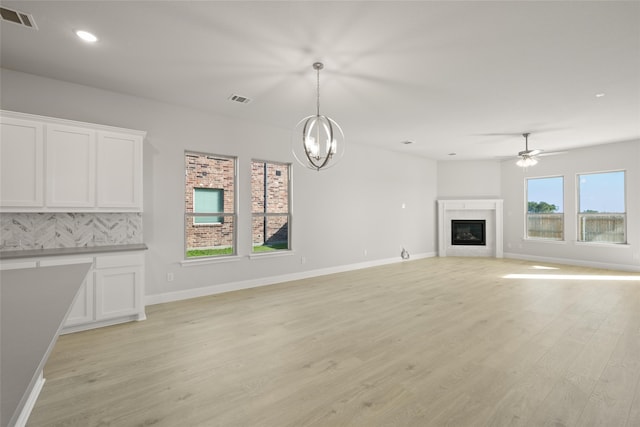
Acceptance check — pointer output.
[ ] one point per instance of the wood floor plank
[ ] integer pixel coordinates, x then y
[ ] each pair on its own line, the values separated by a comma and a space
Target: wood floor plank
634, 412
612, 399
432, 342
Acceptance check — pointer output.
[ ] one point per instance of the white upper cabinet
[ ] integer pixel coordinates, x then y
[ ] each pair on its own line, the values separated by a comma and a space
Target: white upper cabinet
56, 165
119, 170
21, 163
71, 167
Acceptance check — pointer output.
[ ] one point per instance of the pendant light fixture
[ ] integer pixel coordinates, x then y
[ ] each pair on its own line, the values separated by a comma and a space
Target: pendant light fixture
318, 141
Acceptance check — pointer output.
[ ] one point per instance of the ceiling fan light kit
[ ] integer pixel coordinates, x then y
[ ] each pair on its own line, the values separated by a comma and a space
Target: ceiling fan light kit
527, 157
526, 161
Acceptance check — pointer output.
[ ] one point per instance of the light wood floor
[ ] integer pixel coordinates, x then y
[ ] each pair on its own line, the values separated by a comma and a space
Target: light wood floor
432, 342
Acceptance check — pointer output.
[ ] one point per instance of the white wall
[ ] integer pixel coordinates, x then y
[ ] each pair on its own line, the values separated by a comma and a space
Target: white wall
467, 179
608, 157
337, 214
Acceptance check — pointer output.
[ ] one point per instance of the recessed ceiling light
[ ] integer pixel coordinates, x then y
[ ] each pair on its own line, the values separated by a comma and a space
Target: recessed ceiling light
599, 95
451, 154
407, 142
86, 36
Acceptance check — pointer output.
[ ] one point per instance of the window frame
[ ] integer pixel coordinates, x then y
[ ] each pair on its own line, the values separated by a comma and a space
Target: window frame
266, 215
232, 215
526, 211
579, 214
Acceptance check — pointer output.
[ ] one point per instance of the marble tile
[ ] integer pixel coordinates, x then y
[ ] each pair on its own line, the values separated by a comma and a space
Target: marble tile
67, 230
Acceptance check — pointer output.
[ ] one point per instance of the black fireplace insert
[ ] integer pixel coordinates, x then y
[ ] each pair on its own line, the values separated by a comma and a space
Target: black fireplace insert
468, 232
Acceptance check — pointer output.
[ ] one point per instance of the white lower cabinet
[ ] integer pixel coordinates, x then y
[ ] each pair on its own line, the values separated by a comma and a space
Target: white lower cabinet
83, 307
112, 292
82, 310
118, 292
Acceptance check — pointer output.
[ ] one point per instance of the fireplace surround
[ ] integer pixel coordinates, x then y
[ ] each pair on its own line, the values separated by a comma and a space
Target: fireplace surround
489, 210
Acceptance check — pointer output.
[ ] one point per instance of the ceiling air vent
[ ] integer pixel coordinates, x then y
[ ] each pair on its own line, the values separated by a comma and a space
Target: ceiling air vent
17, 17
239, 98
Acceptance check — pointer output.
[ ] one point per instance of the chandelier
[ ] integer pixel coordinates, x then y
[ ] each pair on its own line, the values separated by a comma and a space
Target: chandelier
322, 144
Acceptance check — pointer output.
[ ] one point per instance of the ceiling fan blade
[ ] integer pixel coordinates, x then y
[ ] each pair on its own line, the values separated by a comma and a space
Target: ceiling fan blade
529, 153
551, 153
536, 130
499, 134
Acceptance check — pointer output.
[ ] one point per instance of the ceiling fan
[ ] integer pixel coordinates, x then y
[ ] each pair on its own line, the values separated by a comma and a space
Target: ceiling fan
527, 157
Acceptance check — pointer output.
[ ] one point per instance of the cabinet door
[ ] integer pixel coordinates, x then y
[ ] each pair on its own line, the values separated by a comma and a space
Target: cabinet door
81, 311
21, 163
119, 158
118, 292
70, 166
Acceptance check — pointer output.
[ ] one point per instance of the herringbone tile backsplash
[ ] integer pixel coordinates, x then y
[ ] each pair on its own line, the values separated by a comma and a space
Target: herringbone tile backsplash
68, 230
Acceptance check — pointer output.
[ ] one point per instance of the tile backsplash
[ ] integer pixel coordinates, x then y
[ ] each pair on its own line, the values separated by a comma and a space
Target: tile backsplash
68, 230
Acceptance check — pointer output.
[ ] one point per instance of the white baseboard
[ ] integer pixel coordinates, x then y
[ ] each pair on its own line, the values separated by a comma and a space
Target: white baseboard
22, 419
265, 281
102, 323
577, 262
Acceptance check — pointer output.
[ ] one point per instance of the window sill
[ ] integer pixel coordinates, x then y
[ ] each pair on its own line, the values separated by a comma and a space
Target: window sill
274, 254
210, 260
603, 244
552, 241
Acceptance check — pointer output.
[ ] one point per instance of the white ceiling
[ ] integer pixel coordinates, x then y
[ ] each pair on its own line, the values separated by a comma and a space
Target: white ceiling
463, 77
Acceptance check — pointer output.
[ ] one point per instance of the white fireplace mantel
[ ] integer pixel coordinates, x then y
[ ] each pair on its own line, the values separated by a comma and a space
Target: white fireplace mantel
489, 209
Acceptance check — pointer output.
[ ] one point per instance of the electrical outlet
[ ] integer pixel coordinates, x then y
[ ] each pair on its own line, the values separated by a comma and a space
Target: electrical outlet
364, 253
303, 260
169, 277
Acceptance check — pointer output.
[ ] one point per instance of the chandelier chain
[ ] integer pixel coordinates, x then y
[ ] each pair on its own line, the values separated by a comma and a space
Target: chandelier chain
318, 91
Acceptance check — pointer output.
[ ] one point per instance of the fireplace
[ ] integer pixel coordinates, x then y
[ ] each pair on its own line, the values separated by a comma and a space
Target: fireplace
489, 210
468, 232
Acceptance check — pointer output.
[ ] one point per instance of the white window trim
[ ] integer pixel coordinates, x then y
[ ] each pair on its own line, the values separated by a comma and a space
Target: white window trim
526, 212
213, 259
578, 213
289, 213
272, 254
219, 259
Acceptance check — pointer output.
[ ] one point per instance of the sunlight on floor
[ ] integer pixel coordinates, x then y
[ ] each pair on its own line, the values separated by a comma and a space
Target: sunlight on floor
543, 267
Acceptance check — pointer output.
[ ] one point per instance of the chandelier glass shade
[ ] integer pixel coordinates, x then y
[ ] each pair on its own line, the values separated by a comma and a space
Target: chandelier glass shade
318, 141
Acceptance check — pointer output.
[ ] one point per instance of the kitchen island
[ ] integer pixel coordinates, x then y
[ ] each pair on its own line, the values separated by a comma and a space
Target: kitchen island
34, 303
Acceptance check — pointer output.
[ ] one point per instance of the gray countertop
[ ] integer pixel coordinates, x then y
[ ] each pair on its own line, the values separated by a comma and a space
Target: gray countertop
37, 253
34, 303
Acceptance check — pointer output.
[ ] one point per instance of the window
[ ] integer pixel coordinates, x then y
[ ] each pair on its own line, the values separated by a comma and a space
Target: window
545, 217
601, 213
208, 200
271, 217
210, 214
